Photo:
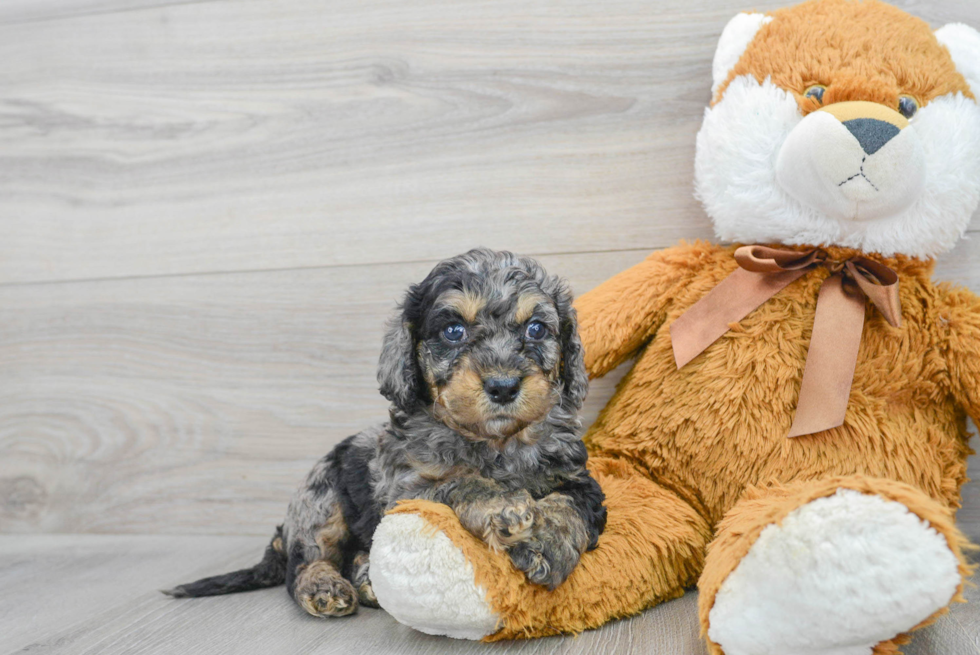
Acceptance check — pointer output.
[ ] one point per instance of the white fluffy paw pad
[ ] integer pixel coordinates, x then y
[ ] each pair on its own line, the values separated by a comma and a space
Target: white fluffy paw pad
839, 575
423, 580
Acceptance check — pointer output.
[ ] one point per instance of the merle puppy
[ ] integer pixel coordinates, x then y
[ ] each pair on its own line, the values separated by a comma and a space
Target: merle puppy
484, 370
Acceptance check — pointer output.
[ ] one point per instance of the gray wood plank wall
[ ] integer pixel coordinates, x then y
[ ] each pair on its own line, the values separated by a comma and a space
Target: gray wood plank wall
208, 208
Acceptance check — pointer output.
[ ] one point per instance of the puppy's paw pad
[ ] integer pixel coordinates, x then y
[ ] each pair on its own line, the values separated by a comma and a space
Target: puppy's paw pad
329, 597
510, 525
535, 565
545, 564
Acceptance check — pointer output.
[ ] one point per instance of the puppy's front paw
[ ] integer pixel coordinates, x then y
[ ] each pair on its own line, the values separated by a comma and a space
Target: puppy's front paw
547, 563
510, 523
322, 591
555, 543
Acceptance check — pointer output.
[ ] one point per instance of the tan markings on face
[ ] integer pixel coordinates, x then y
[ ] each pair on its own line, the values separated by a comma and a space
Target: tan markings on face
463, 405
331, 537
277, 545
800, 48
536, 399
462, 399
526, 304
465, 303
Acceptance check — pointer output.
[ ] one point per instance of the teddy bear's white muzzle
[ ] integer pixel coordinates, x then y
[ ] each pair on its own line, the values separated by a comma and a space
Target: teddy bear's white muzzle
862, 168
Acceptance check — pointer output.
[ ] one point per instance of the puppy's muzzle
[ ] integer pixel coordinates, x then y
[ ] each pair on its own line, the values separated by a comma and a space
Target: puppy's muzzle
502, 390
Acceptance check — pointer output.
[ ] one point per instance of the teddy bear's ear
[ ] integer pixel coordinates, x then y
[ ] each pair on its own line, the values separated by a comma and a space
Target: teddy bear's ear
963, 42
735, 38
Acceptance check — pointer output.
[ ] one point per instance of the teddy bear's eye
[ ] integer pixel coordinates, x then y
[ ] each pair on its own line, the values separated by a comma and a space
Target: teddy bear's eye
815, 92
907, 106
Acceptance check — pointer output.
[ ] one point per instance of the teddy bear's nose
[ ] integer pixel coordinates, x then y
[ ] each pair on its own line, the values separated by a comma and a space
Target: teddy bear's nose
871, 133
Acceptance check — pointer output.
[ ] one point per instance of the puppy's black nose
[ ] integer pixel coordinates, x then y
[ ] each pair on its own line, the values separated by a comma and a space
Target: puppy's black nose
871, 133
502, 390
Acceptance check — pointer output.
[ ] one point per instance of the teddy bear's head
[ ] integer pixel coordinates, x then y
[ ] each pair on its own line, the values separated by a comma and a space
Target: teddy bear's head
842, 122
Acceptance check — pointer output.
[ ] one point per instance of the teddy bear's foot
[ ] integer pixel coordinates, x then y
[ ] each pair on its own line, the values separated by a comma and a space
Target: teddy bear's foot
837, 575
423, 580
434, 575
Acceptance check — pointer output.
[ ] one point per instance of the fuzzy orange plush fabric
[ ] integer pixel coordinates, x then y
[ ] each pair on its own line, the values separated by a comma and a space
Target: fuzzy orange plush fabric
718, 425
695, 462
761, 507
830, 43
652, 549
677, 450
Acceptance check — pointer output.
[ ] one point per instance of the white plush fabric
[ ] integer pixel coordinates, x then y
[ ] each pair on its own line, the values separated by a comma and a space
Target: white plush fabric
738, 150
824, 166
735, 38
963, 43
839, 575
425, 582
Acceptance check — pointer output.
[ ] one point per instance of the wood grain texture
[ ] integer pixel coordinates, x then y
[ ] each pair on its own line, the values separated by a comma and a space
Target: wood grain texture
13, 12
246, 134
195, 403
208, 207
96, 595
21, 11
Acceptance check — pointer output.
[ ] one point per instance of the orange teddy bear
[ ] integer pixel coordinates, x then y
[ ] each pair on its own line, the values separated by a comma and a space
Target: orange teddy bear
799, 461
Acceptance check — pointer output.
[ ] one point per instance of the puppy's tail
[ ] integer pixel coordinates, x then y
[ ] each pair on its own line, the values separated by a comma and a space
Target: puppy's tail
270, 572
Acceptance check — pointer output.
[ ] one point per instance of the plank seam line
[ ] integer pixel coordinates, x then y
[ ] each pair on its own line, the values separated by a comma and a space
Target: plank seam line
104, 12
283, 269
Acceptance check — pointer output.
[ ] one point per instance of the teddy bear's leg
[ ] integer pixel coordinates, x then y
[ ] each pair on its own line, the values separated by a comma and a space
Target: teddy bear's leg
842, 566
431, 574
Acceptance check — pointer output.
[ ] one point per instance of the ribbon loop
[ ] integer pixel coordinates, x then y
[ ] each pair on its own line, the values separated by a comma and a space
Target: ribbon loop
762, 259
880, 284
838, 321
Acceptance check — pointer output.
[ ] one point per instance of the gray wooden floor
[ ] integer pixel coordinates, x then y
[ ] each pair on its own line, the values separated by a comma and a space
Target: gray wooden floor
207, 209
96, 595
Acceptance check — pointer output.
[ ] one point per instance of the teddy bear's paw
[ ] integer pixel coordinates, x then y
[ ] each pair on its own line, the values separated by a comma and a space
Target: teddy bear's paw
837, 576
424, 581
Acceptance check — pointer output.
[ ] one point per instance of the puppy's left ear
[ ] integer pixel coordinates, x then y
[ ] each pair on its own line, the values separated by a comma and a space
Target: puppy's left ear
963, 43
398, 370
574, 378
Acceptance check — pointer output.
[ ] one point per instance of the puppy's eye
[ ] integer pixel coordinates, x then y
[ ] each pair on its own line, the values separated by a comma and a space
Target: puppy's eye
816, 92
454, 332
907, 106
536, 330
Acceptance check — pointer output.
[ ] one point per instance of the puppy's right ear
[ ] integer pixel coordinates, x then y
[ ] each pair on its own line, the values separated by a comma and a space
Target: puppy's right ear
398, 371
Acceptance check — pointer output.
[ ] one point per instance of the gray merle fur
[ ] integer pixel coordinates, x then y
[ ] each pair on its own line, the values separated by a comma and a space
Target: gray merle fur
513, 471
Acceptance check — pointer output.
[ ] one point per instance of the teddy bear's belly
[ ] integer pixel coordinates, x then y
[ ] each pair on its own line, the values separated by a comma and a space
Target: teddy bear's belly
720, 423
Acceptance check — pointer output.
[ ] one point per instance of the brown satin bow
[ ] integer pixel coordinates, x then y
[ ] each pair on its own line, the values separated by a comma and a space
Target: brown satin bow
837, 326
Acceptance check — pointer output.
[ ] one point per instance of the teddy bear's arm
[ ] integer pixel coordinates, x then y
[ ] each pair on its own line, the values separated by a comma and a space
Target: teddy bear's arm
962, 317
619, 316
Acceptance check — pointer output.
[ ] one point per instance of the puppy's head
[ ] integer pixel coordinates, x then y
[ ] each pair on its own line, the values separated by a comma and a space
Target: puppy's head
488, 343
